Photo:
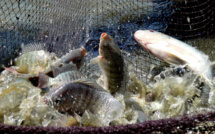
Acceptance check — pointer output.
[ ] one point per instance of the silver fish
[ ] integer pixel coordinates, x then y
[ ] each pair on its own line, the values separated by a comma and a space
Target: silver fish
112, 64
63, 74
79, 96
66, 77
76, 56
176, 52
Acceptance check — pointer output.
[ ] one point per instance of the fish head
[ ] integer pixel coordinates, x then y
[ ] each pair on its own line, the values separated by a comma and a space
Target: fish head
158, 45
76, 56
107, 46
144, 37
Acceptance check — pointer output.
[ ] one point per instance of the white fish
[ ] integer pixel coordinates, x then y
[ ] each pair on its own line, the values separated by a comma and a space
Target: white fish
175, 52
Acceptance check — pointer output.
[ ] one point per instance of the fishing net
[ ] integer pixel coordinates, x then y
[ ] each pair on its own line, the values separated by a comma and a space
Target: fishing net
69, 24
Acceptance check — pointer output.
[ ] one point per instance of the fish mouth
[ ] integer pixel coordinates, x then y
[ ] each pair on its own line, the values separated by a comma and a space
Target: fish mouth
138, 36
83, 51
105, 36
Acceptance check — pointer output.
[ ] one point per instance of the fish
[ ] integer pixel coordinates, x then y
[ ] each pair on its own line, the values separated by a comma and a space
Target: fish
176, 52
33, 62
37, 61
78, 96
111, 63
76, 56
65, 74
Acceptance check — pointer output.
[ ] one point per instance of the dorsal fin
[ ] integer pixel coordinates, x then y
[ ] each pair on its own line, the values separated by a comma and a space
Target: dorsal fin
32, 47
90, 83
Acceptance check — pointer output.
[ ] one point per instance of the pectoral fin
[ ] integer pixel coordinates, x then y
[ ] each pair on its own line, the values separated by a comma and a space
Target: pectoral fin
172, 59
95, 60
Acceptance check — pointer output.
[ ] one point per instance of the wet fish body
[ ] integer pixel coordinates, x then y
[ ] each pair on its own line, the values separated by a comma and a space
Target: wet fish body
66, 77
76, 56
175, 52
79, 96
33, 62
112, 64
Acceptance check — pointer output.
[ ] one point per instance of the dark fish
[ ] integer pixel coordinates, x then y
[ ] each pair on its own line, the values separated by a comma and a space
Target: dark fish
112, 64
79, 96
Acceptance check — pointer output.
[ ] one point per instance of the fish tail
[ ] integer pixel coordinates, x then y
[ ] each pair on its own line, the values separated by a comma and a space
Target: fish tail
43, 80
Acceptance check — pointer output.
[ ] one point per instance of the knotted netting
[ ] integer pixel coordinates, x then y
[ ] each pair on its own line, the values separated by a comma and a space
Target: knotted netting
69, 24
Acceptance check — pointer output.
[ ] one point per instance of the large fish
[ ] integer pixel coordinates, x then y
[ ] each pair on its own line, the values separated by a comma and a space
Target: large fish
112, 64
174, 51
77, 97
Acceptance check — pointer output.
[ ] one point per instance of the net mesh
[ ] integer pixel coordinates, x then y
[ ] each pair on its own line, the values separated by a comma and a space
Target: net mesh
65, 25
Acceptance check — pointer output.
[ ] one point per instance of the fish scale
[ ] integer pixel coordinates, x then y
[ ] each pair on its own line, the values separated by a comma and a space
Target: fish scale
90, 99
66, 77
112, 64
79, 96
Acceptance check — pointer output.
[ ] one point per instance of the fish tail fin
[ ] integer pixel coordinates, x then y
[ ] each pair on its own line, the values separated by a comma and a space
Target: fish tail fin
64, 68
43, 80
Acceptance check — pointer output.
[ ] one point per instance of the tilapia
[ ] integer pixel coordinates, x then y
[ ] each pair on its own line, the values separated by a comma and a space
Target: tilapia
34, 62
78, 96
41, 61
76, 56
112, 64
178, 53
175, 52
65, 74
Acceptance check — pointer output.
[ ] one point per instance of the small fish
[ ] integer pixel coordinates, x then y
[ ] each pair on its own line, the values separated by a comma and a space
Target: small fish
64, 74
76, 56
111, 63
65, 77
34, 62
175, 52
78, 96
